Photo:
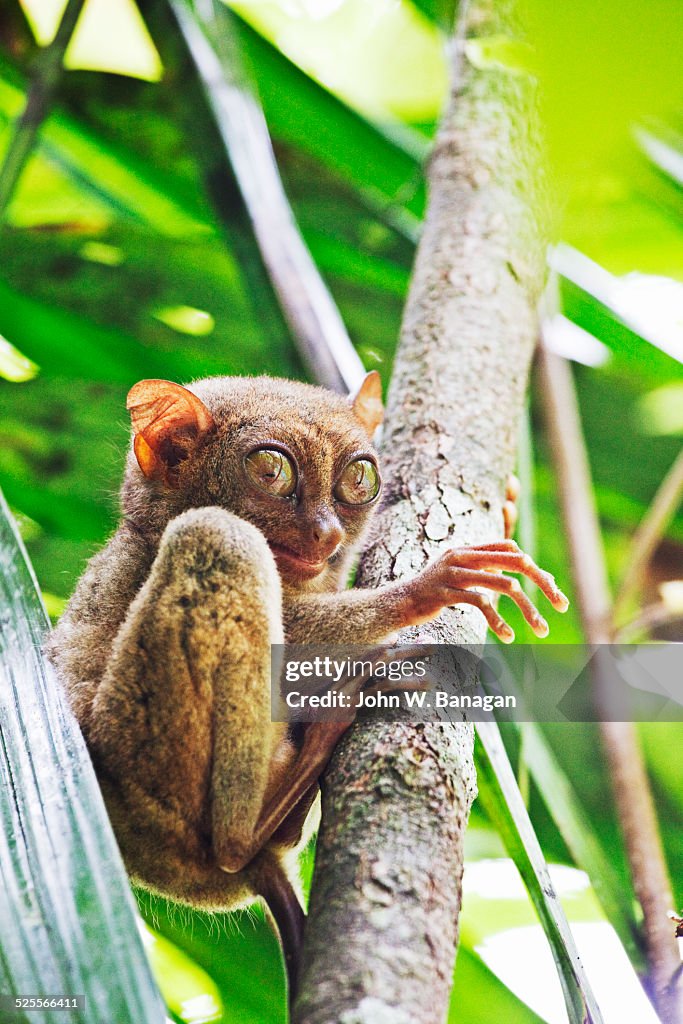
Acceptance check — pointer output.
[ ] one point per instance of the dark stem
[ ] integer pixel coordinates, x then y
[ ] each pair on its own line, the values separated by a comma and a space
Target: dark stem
649, 533
48, 70
632, 795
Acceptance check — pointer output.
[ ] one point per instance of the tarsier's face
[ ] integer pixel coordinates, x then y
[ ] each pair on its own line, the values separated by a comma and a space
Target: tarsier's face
309, 506
295, 461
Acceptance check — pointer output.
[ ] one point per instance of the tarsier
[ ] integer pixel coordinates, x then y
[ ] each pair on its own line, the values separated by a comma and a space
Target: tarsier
243, 503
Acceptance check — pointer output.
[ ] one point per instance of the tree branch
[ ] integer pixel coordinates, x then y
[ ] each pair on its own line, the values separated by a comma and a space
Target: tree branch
382, 932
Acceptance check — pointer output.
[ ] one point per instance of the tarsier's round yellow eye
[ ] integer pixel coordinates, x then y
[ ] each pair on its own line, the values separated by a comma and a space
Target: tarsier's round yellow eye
358, 484
271, 471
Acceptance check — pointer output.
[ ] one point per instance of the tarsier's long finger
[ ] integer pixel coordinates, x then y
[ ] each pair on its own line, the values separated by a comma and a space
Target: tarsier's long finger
510, 510
463, 579
512, 488
510, 516
497, 624
511, 561
497, 545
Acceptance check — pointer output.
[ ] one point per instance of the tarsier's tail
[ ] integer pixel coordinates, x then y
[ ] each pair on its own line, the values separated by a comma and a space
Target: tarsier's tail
288, 915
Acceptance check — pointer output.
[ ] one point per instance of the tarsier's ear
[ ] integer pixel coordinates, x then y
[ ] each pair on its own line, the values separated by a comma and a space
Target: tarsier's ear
169, 423
367, 402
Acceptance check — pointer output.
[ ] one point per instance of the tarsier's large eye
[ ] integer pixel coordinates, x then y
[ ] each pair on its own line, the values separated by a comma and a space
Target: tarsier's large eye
271, 471
359, 483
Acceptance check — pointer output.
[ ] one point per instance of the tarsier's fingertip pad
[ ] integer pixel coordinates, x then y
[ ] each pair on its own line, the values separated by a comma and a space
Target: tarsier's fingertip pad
512, 488
507, 635
509, 518
561, 602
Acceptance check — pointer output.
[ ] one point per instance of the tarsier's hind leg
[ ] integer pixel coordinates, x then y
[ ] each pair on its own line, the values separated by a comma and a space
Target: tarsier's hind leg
182, 723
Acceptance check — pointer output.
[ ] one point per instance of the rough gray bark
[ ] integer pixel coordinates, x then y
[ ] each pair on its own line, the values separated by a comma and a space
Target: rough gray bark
382, 933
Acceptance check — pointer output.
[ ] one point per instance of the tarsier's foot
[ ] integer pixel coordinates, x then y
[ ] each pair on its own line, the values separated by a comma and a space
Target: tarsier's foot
510, 510
452, 578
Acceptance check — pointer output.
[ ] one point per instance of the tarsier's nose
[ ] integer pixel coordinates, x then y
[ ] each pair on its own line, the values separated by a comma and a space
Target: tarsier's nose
327, 533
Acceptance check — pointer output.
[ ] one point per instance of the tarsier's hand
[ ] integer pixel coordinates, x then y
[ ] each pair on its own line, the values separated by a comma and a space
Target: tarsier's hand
448, 581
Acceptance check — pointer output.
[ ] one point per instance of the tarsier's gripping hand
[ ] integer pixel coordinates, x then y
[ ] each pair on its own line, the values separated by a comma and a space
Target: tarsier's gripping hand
454, 578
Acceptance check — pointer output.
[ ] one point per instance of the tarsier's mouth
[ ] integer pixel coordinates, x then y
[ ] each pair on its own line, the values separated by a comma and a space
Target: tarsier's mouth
289, 559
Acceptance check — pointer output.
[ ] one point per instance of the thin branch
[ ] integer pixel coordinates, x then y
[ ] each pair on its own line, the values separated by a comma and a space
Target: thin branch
648, 618
308, 307
633, 799
647, 536
49, 67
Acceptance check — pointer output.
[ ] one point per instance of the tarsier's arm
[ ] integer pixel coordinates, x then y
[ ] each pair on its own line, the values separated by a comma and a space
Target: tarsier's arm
369, 616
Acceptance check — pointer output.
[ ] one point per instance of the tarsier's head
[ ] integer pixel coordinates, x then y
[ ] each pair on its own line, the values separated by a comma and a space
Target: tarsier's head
296, 461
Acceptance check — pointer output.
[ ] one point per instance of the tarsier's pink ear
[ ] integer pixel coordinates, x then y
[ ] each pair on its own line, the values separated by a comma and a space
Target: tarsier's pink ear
367, 402
169, 422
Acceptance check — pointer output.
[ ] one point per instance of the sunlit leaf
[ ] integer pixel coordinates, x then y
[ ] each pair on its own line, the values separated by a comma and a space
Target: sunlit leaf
186, 320
661, 410
13, 365
188, 991
500, 53
239, 952
500, 796
100, 252
54, 605
499, 924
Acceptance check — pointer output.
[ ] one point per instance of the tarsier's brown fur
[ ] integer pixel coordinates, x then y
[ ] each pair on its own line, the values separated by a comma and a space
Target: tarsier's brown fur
165, 646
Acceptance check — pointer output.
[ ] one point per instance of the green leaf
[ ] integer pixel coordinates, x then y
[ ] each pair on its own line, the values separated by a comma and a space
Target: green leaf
475, 986
68, 917
238, 951
188, 991
13, 365
578, 831
440, 11
661, 411
503, 803
499, 924
308, 309
385, 168
500, 53
186, 320
114, 177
